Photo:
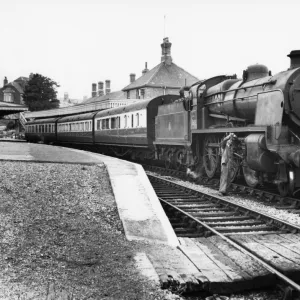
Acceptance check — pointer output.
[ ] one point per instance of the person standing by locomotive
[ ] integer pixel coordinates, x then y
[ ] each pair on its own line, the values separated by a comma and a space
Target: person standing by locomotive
226, 150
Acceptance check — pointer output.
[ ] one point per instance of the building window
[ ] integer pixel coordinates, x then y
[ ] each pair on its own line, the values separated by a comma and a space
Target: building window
137, 94
8, 97
128, 94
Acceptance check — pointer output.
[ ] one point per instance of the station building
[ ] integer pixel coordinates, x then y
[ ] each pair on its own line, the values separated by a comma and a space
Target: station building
165, 78
11, 101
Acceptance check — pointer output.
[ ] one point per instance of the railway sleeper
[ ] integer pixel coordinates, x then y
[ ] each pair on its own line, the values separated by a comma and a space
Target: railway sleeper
256, 233
196, 206
242, 223
244, 229
225, 219
183, 202
219, 214
195, 210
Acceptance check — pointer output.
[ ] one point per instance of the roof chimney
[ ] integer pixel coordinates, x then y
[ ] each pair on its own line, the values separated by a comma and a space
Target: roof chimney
107, 87
94, 88
100, 88
166, 51
295, 59
132, 77
145, 70
5, 81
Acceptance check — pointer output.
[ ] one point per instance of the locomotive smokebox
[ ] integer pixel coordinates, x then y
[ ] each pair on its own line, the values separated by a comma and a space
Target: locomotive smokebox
295, 59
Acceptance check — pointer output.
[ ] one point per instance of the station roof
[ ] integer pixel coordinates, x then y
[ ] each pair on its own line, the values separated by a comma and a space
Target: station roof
7, 108
169, 75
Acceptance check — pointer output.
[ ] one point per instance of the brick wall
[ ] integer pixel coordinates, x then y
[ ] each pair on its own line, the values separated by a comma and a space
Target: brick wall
17, 98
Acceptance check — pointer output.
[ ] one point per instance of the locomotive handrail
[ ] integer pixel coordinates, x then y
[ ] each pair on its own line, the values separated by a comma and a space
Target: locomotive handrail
233, 99
243, 88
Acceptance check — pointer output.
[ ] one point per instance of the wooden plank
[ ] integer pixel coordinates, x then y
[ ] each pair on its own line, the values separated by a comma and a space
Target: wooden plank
261, 277
292, 237
176, 270
219, 282
280, 241
279, 262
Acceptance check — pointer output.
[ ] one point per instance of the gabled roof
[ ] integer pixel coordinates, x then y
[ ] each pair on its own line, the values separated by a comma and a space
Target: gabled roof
18, 84
169, 75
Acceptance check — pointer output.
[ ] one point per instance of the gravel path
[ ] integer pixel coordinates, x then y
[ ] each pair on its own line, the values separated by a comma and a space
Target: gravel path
61, 236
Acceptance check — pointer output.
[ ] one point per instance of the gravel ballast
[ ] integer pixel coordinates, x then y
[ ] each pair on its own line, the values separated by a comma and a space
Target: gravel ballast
255, 204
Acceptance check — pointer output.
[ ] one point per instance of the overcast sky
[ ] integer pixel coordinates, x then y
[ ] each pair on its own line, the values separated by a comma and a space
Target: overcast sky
78, 42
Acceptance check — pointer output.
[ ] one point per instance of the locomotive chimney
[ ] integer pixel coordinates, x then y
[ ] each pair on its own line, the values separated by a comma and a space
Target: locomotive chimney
132, 77
295, 59
5, 81
107, 87
166, 52
145, 70
100, 88
94, 88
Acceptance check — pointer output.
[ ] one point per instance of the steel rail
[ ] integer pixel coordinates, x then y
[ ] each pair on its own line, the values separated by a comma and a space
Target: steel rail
281, 276
234, 186
272, 220
271, 269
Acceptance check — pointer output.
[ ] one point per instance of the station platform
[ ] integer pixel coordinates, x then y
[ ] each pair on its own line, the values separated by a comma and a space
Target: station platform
182, 264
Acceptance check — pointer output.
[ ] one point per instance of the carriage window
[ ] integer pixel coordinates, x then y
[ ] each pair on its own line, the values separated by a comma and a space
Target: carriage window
107, 123
98, 124
113, 123
132, 123
46, 128
125, 118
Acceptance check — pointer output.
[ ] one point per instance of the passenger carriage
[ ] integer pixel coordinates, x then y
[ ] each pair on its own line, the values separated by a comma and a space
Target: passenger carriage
130, 128
43, 130
77, 129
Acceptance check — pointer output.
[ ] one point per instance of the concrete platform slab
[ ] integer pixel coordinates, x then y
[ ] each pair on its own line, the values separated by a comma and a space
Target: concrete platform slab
141, 213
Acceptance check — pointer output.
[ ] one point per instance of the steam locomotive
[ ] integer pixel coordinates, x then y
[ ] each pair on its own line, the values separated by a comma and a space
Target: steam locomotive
185, 131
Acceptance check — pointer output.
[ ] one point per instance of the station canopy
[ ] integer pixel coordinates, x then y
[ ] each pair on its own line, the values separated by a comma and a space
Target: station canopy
11, 108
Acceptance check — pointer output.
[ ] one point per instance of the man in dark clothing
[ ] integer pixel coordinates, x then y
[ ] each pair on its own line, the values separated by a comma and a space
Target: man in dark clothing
226, 150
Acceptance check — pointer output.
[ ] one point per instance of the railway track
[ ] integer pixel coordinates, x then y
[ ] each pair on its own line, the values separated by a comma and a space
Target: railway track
196, 214
290, 204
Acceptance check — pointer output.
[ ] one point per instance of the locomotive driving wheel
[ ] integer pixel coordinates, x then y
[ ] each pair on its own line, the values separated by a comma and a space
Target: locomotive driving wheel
211, 157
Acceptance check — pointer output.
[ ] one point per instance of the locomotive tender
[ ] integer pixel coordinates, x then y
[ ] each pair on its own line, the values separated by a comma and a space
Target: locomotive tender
261, 109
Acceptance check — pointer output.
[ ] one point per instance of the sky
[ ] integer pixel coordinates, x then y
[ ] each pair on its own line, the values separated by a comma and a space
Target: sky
78, 42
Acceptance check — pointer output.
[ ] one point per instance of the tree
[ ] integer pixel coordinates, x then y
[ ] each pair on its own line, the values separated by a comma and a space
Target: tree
40, 93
